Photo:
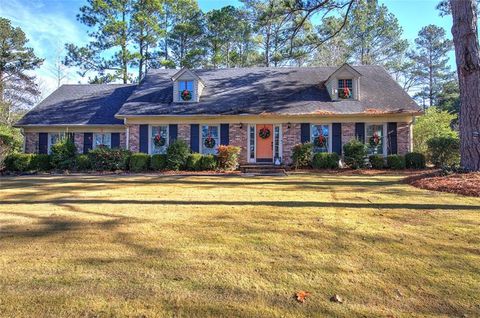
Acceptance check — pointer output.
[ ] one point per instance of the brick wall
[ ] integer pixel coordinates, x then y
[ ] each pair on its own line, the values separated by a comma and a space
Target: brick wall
348, 132
291, 137
134, 140
123, 140
184, 132
404, 142
31, 142
238, 137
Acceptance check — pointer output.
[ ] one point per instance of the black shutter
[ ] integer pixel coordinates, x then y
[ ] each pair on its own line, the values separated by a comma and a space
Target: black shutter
194, 137
43, 143
360, 131
392, 138
115, 140
144, 138
87, 142
337, 138
224, 134
173, 132
304, 133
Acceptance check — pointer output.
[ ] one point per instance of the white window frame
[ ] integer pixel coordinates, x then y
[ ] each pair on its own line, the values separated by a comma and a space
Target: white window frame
329, 150
384, 136
94, 145
250, 159
179, 97
352, 90
201, 137
280, 141
150, 141
49, 143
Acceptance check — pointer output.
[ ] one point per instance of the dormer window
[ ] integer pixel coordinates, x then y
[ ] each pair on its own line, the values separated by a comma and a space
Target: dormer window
185, 90
345, 88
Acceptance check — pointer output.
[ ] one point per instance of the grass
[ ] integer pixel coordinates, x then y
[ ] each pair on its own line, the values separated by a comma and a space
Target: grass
156, 246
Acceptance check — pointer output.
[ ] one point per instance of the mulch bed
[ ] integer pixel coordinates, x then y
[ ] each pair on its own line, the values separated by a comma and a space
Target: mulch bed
460, 183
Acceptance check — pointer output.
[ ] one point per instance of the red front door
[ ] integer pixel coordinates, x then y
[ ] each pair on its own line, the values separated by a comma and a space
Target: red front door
264, 144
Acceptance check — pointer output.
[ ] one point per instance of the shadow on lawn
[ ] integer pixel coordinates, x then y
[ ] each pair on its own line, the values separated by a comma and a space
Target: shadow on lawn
286, 204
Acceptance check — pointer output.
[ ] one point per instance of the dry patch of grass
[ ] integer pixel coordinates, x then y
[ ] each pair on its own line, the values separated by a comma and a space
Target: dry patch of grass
199, 246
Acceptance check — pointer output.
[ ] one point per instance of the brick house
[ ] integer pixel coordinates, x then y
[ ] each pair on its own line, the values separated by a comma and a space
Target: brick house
265, 111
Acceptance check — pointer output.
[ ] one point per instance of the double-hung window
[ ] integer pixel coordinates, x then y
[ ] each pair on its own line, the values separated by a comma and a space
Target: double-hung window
185, 91
320, 137
345, 88
374, 138
210, 139
158, 139
53, 138
102, 140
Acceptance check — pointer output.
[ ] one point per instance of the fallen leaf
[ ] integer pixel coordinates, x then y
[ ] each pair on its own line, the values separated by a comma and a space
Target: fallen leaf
302, 295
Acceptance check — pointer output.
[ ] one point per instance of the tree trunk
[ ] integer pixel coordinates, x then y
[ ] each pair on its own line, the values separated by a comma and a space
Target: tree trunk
467, 53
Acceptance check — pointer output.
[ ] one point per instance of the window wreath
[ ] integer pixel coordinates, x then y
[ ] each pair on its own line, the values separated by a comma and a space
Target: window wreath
320, 141
264, 133
159, 141
209, 142
374, 140
186, 95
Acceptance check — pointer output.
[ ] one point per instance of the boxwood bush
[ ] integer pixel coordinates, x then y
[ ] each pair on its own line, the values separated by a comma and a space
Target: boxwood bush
415, 160
208, 162
158, 162
325, 160
354, 153
83, 163
139, 162
18, 162
40, 162
63, 154
194, 162
396, 162
302, 155
444, 151
106, 159
377, 161
177, 154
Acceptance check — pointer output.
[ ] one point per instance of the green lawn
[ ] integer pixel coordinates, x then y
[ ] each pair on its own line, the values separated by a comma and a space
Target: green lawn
156, 246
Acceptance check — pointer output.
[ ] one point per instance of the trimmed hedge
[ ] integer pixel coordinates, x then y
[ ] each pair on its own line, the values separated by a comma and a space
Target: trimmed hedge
444, 151
302, 155
415, 160
325, 160
396, 162
158, 162
41, 162
106, 159
377, 161
83, 163
208, 162
194, 162
354, 153
18, 162
177, 154
139, 162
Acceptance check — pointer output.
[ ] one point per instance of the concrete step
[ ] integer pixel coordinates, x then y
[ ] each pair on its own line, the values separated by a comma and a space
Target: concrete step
262, 169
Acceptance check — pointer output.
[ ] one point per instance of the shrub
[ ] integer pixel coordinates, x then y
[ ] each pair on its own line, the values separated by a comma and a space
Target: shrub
106, 159
302, 155
325, 160
228, 157
354, 153
83, 163
139, 162
18, 162
415, 160
396, 162
377, 161
208, 162
177, 154
444, 151
158, 162
6, 146
194, 162
41, 162
63, 154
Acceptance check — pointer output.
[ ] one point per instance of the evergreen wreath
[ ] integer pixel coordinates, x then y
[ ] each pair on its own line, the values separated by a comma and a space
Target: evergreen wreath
186, 95
374, 140
159, 141
320, 141
209, 142
264, 133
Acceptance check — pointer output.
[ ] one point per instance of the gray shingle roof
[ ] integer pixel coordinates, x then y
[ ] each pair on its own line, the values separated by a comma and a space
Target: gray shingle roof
94, 104
292, 91
289, 91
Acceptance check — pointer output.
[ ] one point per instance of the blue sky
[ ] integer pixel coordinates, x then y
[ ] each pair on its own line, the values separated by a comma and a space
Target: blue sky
51, 23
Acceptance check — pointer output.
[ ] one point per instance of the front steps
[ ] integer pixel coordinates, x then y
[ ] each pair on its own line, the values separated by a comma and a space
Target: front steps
263, 169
